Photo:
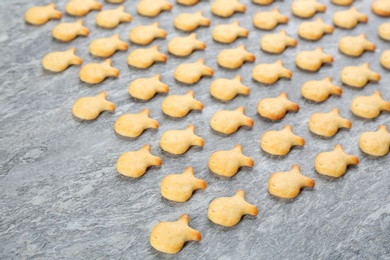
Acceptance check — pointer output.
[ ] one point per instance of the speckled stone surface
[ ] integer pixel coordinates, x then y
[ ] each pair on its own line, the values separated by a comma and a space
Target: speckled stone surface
61, 196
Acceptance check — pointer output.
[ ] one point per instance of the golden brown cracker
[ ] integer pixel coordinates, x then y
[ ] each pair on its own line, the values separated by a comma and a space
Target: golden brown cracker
68, 31
328, 124
179, 141
133, 125
381, 7
190, 21
147, 88
306, 8
320, 90
112, 18
228, 211
269, 20
348, 19
94, 73
358, 76
89, 108
82, 7
170, 237
228, 162
179, 187
180, 105
276, 108
277, 42
235, 58
145, 34
226, 8
229, 121
227, 89
288, 185
60, 60
375, 143
355, 46
228, 33
369, 106
38, 15
334, 163
314, 31
279, 142
312, 60
105, 47
184, 46
191, 73
270, 73
143, 58
135, 163
152, 8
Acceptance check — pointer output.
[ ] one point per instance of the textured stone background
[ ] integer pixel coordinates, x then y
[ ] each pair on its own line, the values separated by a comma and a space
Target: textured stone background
61, 196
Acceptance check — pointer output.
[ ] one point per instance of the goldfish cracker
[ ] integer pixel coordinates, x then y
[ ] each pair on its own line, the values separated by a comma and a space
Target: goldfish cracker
147, 88
170, 237
277, 42
180, 105
228, 121
355, 46
385, 59
105, 47
348, 19
187, 2
269, 20
375, 143
263, 2
82, 7
152, 8
133, 125
184, 46
235, 58
191, 73
94, 73
276, 108
89, 108
226, 8
228, 33
228, 162
179, 141
334, 163
179, 187
328, 124
342, 2
61, 60
314, 31
190, 21
358, 76
145, 34
135, 163
228, 211
312, 60
381, 7
369, 106
112, 18
270, 73
288, 185
66, 32
227, 89
320, 90
306, 8
39, 15
143, 58
280, 142
384, 31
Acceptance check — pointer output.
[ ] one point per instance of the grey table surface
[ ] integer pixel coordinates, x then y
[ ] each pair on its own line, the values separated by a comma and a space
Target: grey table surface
61, 196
